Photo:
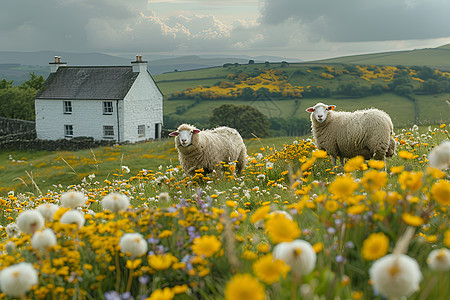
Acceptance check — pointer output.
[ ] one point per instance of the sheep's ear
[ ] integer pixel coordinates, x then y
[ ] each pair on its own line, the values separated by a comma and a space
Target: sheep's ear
310, 109
173, 133
195, 131
331, 107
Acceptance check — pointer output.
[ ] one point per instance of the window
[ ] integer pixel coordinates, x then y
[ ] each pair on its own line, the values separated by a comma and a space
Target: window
67, 107
68, 130
141, 130
107, 107
108, 131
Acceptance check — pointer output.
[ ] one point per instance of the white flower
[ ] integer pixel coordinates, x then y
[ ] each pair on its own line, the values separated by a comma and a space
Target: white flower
395, 275
298, 254
30, 221
73, 217
125, 169
44, 239
47, 210
439, 157
164, 199
134, 244
115, 202
13, 230
439, 260
269, 165
16, 280
72, 199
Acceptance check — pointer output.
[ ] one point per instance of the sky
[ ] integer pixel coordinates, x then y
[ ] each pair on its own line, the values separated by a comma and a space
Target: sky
301, 29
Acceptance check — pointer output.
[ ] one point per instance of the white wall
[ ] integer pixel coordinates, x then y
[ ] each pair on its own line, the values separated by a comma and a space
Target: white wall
87, 119
143, 106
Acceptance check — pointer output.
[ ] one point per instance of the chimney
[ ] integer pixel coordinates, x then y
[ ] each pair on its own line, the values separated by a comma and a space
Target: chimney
55, 65
139, 65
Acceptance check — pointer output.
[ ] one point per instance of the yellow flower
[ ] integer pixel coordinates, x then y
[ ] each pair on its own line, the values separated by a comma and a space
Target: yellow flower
398, 169
269, 270
355, 163
282, 229
161, 262
308, 164
440, 191
165, 294
260, 213
374, 180
447, 238
231, 203
410, 180
435, 173
319, 154
249, 255
133, 264
343, 187
180, 289
331, 206
356, 209
263, 248
376, 164
318, 247
165, 233
375, 246
206, 245
412, 220
405, 154
244, 287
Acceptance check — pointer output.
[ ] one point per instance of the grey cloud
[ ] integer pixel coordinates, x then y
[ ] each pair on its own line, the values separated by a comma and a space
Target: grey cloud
363, 20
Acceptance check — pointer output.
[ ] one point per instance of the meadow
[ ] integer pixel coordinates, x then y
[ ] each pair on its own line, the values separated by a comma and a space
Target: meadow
224, 235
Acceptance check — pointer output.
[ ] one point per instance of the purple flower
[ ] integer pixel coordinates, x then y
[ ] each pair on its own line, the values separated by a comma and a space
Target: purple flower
144, 279
112, 295
126, 296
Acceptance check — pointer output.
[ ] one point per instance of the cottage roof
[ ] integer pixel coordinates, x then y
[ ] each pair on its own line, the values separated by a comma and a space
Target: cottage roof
88, 83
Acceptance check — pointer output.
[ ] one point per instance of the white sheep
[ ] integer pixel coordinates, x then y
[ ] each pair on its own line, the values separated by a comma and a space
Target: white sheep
348, 134
207, 148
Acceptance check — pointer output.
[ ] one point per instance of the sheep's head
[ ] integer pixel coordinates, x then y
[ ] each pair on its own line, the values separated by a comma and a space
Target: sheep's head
184, 135
320, 111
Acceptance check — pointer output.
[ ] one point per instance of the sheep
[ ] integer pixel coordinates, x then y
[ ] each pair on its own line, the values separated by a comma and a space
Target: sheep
348, 134
206, 149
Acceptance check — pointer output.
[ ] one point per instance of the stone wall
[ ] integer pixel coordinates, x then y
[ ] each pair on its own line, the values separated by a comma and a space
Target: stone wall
12, 126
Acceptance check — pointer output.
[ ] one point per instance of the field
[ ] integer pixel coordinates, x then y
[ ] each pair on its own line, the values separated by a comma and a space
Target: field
225, 235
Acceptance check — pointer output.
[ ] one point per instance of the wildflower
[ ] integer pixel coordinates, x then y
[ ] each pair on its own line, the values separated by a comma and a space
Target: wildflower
269, 270
412, 220
343, 187
164, 199
206, 245
298, 254
331, 206
374, 180
180, 289
282, 229
447, 238
398, 169
18, 279
73, 217
44, 239
439, 157
72, 199
30, 221
319, 154
161, 262
13, 230
244, 287
376, 164
410, 180
115, 202
439, 260
47, 210
355, 163
440, 191
308, 164
375, 246
405, 154
260, 214
162, 294
125, 169
395, 275
134, 244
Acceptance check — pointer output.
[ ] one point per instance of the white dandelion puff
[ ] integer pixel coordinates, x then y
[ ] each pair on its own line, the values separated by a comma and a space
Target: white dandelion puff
73, 217
439, 260
44, 239
298, 254
134, 244
72, 199
47, 210
30, 221
17, 280
115, 202
13, 230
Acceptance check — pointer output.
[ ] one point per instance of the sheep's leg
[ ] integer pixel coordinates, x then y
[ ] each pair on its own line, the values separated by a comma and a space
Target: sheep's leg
241, 162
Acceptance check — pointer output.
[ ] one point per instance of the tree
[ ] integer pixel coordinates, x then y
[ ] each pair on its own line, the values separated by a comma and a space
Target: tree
34, 82
244, 118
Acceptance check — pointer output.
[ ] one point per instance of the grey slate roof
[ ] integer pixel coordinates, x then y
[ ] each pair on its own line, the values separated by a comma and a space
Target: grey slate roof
88, 83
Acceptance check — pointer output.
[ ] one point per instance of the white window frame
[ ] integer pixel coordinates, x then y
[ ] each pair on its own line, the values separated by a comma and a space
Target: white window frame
141, 130
67, 107
108, 107
108, 131
68, 131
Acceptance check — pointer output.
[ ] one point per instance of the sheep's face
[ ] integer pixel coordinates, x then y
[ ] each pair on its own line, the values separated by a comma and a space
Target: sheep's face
320, 111
185, 136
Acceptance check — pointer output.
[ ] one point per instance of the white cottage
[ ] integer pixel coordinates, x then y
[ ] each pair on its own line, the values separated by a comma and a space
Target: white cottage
106, 103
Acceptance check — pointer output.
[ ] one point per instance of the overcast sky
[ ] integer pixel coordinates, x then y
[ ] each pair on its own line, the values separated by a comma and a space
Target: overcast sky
303, 29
